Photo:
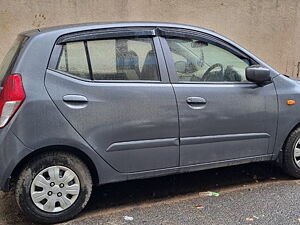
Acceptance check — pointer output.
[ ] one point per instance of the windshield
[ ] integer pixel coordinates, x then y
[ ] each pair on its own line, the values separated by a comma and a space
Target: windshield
10, 57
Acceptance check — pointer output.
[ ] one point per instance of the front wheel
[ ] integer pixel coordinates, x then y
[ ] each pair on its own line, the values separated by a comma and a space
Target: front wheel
291, 157
54, 187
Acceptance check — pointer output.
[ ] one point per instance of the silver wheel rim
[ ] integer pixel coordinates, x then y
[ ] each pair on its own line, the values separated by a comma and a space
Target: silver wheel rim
297, 153
55, 189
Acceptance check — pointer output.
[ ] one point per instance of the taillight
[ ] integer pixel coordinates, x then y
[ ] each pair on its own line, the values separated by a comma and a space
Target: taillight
11, 98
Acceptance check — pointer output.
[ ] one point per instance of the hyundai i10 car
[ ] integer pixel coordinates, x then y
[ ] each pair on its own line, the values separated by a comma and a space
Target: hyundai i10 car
86, 105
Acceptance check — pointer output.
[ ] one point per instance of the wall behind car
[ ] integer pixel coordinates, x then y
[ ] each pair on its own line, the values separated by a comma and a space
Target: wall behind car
268, 28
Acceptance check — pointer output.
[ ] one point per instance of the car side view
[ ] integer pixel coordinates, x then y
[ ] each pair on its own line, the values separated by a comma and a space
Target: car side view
86, 105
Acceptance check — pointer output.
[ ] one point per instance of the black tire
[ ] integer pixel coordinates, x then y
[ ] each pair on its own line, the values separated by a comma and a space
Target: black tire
289, 164
35, 166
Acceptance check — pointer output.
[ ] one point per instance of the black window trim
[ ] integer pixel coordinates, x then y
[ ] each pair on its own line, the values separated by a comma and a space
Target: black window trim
88, 58
197, 35
107, 34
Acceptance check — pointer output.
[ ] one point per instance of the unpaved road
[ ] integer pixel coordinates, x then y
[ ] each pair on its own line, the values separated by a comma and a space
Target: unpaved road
249, 194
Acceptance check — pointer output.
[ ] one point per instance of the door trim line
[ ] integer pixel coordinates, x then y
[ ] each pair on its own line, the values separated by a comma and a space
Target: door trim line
142, 144
221, 138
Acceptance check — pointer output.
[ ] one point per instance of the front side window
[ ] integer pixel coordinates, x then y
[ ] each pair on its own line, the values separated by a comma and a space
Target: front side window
111, 59
204, 62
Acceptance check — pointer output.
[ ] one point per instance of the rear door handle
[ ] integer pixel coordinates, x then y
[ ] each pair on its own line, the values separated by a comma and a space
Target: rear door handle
75, 99
195, 101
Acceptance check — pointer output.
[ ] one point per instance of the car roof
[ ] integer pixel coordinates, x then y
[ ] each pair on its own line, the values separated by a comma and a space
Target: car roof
120, 24
93, 26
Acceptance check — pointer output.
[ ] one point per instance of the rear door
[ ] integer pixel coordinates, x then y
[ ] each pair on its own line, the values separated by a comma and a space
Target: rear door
222, 115
114, 89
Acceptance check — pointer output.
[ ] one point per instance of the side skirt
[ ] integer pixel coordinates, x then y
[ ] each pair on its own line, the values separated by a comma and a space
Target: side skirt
185, 169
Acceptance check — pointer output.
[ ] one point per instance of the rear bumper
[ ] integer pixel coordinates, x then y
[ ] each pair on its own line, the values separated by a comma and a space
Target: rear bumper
12, 151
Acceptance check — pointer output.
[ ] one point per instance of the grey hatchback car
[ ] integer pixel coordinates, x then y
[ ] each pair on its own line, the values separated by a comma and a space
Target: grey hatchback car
91, 104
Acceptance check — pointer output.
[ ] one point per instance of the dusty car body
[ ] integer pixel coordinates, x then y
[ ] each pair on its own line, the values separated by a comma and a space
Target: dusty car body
178, 98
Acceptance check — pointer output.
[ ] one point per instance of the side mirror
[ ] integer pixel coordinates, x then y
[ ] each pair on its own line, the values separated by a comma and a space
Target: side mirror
258, 74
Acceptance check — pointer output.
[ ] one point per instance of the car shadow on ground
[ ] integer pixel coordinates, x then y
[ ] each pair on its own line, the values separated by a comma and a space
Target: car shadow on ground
157, 189
160, 188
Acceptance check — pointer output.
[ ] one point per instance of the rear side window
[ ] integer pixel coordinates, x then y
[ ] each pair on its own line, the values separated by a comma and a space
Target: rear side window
111, 59
11, 56
73, 60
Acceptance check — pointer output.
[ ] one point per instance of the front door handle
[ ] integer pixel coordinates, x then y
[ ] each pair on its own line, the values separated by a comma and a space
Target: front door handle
75, 99
195, 101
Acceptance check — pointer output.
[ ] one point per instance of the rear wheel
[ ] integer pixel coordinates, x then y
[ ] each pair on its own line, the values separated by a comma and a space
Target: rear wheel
291, 157
54, 187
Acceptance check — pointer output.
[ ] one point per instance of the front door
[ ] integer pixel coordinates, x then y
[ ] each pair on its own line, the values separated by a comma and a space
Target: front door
222, 115
116, 93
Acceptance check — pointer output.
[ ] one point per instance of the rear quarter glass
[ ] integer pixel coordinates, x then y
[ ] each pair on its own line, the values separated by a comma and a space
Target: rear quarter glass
11, 56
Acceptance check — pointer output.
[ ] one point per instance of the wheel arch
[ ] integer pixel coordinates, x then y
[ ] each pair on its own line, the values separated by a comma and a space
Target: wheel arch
279, 158
287, 136
57, 148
